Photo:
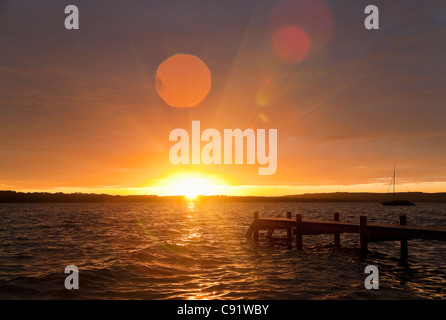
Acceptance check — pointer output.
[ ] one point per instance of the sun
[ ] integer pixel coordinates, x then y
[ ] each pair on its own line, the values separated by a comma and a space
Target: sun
191, 185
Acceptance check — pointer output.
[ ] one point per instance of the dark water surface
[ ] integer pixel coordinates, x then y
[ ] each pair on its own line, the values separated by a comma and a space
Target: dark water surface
199, 251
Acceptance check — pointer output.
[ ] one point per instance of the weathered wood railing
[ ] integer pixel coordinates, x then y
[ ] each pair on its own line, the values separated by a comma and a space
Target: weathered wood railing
368, 232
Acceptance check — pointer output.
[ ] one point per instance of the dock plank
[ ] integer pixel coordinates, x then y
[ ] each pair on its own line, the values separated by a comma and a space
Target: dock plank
368, 232
377, 230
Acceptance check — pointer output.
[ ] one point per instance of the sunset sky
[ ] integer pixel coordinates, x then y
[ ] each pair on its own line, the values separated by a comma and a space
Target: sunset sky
80, 111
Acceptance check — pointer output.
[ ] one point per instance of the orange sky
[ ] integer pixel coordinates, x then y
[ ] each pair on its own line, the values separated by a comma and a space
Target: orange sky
80, 110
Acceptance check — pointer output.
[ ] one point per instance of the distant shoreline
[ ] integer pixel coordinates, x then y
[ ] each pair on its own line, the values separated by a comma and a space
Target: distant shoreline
46, 197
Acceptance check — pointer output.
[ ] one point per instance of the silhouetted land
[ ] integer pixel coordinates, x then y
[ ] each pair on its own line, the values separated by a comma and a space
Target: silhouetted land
35, 197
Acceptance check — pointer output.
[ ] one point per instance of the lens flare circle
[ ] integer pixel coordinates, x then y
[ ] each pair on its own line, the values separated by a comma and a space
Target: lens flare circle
291, 44
183, 81
313, 16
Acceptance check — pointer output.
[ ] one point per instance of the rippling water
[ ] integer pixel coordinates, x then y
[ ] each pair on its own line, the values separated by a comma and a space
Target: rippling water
199, 251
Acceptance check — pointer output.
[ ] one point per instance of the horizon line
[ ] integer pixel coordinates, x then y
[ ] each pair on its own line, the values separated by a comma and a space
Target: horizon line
220, 195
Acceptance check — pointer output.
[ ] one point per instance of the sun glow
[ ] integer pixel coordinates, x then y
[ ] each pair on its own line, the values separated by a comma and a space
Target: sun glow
192, 185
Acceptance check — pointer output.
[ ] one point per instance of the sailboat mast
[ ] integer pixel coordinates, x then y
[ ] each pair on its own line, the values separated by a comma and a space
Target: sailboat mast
394, 182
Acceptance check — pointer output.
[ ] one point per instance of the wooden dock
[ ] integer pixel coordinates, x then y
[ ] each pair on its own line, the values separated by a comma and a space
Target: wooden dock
368, 232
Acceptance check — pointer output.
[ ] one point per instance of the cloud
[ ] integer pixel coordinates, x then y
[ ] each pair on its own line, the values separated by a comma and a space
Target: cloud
86, 100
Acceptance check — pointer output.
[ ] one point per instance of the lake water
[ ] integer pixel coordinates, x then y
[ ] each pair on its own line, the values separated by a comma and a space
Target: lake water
199, 251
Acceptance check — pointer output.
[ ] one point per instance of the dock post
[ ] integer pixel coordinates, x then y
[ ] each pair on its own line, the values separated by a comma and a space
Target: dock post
256, 226
404, 247
363, 234
289, 231
299, 231
337, 237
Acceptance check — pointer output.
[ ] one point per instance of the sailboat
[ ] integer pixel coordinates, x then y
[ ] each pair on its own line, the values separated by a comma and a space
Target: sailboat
395, 202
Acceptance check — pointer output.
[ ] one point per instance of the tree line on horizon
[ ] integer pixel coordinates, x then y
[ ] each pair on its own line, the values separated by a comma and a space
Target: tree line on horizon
9, 196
